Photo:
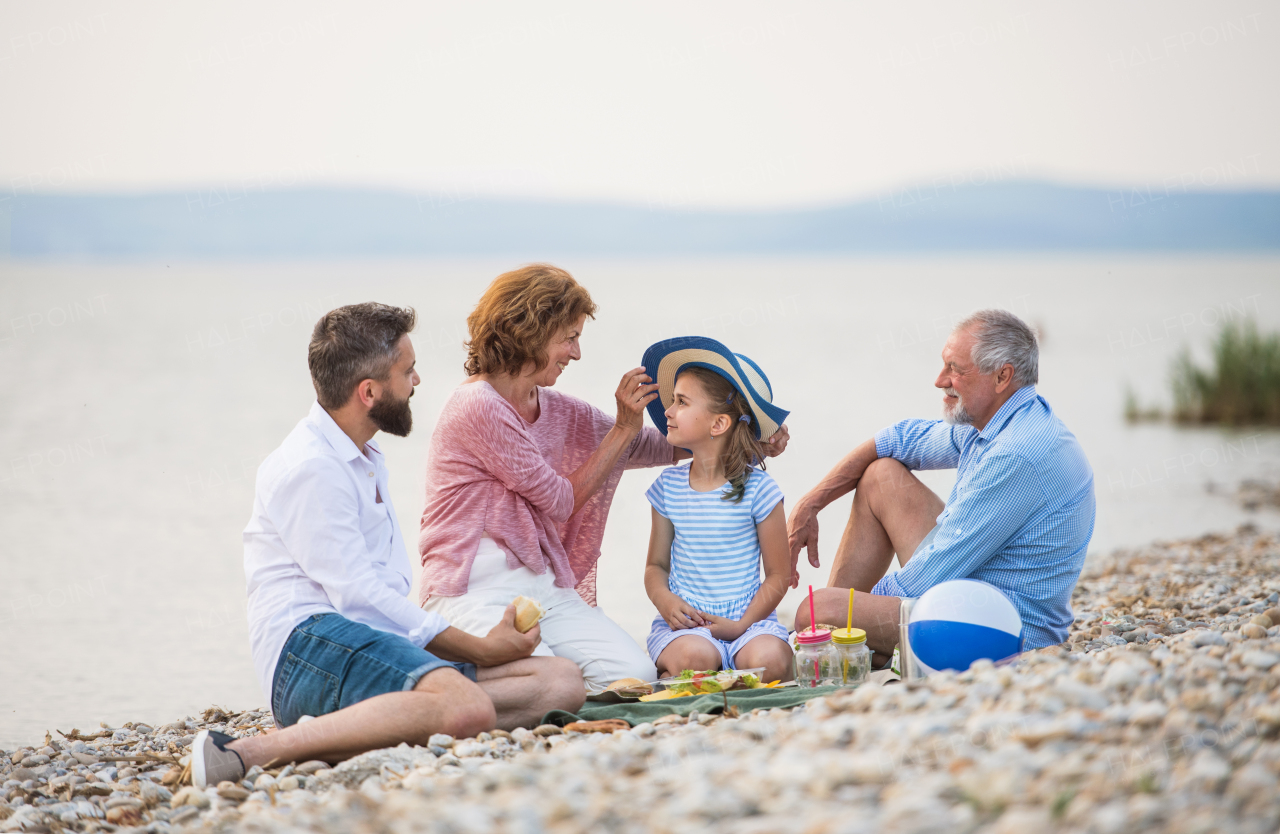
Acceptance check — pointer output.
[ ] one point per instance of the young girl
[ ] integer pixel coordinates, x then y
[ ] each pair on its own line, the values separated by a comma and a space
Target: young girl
714, 519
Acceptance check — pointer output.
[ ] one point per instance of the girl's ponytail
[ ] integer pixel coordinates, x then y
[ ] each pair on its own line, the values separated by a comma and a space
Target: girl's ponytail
742, 451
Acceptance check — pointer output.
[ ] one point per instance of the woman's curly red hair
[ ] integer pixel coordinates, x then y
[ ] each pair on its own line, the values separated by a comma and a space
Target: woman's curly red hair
518, 315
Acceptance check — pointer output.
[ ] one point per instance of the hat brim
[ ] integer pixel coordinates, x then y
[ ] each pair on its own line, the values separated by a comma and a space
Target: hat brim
665, 360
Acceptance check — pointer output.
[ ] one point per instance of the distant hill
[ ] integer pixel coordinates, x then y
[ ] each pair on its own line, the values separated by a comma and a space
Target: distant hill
359, 223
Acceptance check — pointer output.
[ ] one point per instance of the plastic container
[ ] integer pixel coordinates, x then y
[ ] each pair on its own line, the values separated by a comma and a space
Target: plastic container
699, 683
908, 667
705, 683
817, 661
855, 657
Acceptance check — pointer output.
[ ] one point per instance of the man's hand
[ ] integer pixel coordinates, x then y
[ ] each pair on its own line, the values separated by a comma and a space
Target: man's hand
802, 533
680, 614
777, 444
725, 629
504, 643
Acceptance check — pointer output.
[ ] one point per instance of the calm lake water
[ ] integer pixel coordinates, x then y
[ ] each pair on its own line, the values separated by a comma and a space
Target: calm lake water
139, 401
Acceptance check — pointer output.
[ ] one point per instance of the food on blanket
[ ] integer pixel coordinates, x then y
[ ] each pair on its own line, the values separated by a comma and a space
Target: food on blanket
665, 695
691, 682
630, 687
528, 612
604, 725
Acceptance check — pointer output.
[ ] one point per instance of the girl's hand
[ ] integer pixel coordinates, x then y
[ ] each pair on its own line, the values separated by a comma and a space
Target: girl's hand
635, 391
725, 629
680, 614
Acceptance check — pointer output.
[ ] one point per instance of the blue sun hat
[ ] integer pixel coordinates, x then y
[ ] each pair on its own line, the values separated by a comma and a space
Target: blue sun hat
665, 360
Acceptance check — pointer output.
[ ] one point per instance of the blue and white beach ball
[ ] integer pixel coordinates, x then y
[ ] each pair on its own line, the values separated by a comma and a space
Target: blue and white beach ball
957, 622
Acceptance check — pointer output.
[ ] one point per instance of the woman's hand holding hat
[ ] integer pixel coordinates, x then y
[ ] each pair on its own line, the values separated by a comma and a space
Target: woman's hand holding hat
777, 444
635, 392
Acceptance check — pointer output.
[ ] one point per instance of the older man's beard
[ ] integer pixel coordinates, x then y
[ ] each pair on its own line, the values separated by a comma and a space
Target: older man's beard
392, 416
956, 414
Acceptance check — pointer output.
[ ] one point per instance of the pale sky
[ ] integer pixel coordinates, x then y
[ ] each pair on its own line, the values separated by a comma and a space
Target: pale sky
706, 104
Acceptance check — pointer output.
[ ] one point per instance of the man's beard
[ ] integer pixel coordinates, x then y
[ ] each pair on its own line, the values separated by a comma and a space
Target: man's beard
392, 416
956, 414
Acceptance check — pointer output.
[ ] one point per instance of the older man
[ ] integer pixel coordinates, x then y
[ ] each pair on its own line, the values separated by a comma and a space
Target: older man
1019, 517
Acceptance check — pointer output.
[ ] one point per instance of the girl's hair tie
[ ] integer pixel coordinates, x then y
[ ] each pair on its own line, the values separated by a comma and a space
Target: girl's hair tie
745, 418
729, 398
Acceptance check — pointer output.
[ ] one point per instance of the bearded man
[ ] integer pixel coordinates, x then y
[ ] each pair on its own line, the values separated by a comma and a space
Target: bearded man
333, 635
1019, 517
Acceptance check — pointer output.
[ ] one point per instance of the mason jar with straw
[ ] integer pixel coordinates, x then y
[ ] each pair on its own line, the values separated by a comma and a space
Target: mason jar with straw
816, 661
851, 648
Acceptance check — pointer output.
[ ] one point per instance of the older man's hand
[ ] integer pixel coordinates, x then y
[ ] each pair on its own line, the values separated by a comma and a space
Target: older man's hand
777, 444
802, 533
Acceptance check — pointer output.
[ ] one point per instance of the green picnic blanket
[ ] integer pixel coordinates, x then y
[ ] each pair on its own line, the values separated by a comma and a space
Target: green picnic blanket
638, 712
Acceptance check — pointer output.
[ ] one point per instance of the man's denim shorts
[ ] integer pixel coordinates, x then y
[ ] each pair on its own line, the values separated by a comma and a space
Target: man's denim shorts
330, 662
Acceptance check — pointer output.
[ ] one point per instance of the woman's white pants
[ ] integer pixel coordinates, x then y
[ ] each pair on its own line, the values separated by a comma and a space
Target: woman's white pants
570, 628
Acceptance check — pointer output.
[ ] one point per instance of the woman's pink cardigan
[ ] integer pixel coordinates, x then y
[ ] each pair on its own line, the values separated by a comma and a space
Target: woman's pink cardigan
490, 471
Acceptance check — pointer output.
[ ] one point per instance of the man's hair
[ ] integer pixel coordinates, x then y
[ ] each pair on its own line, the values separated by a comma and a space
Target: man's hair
352, 344
1001, 338
518, 315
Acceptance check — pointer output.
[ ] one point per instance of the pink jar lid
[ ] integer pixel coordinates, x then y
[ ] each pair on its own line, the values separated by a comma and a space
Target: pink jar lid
813, 635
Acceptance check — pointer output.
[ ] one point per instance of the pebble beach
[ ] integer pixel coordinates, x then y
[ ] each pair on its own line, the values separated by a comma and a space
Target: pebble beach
1160, 713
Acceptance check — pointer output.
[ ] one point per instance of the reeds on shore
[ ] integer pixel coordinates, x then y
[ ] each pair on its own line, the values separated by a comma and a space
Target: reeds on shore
1241, 386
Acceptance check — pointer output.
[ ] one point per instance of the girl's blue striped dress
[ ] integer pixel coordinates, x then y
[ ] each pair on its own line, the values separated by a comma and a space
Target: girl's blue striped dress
715, 557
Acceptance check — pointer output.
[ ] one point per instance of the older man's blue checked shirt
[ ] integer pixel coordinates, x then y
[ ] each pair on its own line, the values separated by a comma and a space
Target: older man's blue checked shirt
1019, 517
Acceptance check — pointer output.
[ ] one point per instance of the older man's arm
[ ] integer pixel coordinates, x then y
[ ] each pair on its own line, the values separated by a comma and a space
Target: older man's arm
802, 526
918, 444
922, 444
1000, 498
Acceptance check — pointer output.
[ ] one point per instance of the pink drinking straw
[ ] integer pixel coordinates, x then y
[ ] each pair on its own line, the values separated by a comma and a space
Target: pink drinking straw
813, 629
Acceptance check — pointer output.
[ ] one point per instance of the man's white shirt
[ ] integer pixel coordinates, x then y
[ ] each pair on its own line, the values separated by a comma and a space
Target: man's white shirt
320, 542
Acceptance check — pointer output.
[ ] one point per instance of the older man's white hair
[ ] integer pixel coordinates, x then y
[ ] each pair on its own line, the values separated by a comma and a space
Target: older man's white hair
1001, 338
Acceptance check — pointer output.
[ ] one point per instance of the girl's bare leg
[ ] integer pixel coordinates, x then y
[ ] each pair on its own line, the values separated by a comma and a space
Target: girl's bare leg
771, 653
691, 651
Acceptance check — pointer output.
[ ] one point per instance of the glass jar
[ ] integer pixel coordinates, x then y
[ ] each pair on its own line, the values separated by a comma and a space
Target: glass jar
855, 657
817, 662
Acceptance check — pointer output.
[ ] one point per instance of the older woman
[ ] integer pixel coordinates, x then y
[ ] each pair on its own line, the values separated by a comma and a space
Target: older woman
520, 477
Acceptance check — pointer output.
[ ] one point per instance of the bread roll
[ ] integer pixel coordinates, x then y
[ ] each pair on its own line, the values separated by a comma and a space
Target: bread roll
528, 612
629, 687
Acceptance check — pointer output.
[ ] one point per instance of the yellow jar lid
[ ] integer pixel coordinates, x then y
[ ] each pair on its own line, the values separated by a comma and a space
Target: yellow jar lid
847, 636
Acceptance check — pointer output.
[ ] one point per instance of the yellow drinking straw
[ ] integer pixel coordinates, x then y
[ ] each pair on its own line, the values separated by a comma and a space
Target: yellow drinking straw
848, 629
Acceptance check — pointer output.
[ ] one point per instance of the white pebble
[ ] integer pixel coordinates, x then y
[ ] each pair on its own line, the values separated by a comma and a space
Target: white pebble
1260, 660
